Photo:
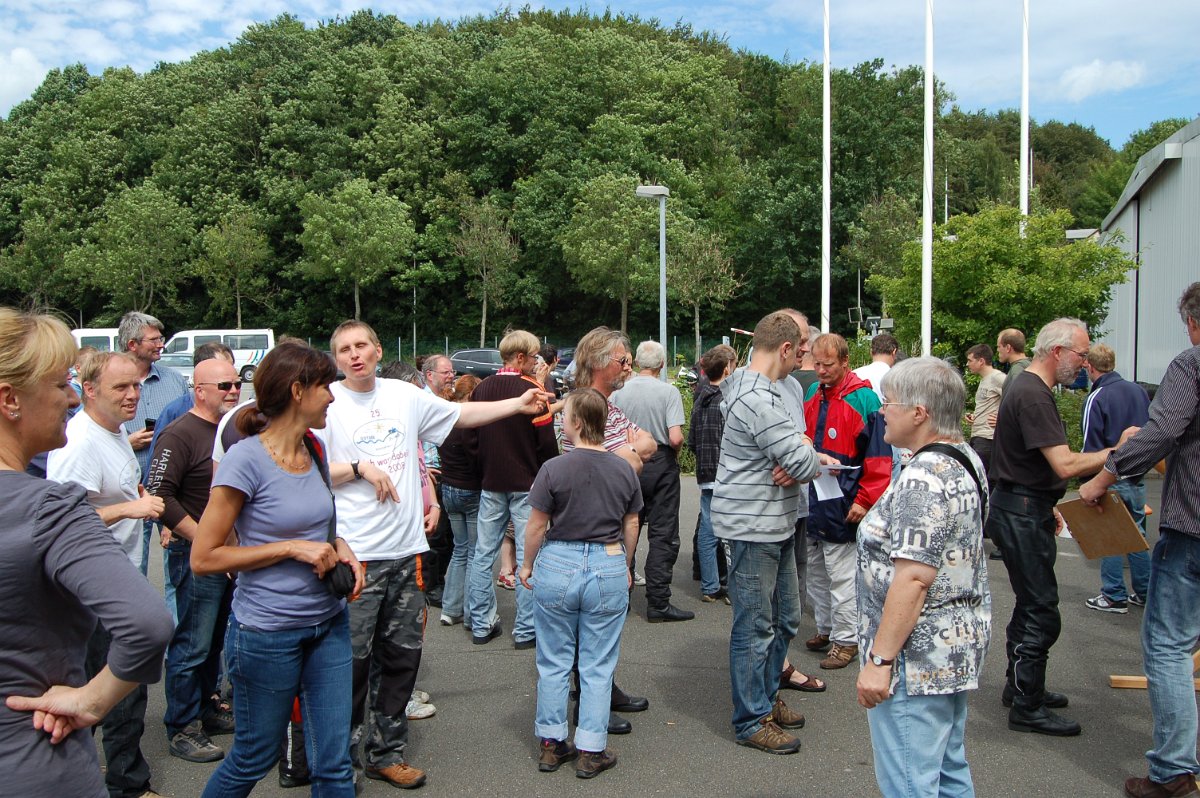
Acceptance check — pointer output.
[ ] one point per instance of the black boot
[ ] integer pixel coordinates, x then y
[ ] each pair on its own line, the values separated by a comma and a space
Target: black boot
293, 761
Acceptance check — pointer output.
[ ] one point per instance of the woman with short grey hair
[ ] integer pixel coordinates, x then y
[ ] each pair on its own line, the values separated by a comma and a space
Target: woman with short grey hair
924, 605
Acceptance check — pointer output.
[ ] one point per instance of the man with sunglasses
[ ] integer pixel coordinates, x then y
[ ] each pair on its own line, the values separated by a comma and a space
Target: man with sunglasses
180, 474
1031, 464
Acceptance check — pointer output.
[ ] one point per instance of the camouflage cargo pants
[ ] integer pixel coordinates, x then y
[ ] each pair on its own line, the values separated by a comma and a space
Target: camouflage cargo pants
387, 628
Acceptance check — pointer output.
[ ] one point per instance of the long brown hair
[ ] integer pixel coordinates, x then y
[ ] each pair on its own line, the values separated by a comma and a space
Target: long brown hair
286, 364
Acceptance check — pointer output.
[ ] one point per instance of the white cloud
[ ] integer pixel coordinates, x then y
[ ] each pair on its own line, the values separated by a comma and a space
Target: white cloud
20, 73
1101, 77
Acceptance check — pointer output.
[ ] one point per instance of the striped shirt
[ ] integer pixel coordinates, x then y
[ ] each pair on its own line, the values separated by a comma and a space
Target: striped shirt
1173, 431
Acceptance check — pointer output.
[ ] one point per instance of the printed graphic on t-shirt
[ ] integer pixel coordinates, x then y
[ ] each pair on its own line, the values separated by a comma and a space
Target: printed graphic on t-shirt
384, 440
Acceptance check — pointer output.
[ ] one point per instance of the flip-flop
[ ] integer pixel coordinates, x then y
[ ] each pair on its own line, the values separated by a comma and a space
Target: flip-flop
811, 684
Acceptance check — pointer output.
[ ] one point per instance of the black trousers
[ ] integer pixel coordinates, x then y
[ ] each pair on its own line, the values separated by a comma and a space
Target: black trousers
1023, 527
441, 547
660, 514
128, 772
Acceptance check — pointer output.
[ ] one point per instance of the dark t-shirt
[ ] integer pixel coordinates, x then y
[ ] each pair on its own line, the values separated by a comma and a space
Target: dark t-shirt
181, 468
1028, 420
587, 495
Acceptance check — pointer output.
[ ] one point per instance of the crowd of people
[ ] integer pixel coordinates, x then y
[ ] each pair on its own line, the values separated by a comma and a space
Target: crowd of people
307, 532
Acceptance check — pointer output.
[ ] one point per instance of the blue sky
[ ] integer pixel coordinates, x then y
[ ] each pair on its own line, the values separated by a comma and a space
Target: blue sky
1114, 65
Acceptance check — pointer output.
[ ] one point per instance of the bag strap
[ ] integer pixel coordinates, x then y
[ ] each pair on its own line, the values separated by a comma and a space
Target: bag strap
955, 454
317, 453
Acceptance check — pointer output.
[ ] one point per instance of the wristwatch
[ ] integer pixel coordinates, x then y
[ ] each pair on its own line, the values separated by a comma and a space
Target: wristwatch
354, 468
878, 660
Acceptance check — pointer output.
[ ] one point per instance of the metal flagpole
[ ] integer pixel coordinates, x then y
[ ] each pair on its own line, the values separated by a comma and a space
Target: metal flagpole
927, 194
826, 280
1024, 112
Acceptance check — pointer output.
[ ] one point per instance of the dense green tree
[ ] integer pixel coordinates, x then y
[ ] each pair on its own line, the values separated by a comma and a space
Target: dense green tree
233, 253
355, 236
988, 276
486, 244
698, 271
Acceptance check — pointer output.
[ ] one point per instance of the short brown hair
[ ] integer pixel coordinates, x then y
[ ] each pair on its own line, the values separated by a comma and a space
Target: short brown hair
982, 352
832, 342
884, 344
1102, 358
714, 361
94, 364
591, 409
464, 386
351, 324
1013, 338
774, 330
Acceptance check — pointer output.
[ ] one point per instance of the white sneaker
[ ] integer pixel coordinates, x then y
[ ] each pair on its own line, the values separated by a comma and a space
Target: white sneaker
421, 697
419, 711
638, 579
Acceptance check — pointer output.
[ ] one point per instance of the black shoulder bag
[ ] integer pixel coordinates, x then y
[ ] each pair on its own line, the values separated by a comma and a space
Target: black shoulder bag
340, 578
964, 461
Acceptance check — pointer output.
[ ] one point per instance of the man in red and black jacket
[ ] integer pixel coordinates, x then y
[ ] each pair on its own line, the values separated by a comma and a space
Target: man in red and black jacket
842, 413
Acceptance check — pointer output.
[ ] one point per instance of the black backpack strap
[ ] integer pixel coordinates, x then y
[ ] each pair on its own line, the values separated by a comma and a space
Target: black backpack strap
317, 452
953, 453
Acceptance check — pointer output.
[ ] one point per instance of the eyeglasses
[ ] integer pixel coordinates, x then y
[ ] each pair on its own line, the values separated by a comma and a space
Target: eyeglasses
625, 361
1081, 355
158, 339
224, 386
883, 405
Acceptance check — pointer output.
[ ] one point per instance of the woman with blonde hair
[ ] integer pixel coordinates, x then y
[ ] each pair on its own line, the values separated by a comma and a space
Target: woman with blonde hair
62, 571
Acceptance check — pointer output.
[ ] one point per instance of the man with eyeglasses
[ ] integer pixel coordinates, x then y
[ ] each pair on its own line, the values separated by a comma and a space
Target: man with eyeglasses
1031, 464
141, 335
180, 474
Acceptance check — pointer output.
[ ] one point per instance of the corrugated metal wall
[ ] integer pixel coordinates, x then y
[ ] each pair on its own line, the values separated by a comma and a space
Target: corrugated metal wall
1164, 221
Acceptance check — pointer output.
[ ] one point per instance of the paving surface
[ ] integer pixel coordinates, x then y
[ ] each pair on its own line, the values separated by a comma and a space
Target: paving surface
481, 740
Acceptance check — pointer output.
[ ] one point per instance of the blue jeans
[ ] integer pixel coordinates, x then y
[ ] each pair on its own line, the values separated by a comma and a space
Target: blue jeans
581, 594
918, 744
1170, 628
193, 658
495, 510
462, 510
1112, 569
706, 542
268, 670
766, 615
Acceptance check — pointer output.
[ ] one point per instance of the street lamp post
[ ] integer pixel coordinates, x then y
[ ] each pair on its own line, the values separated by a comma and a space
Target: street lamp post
660, 193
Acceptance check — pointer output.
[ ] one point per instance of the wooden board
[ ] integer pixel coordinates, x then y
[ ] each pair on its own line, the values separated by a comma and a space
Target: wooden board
1103, 534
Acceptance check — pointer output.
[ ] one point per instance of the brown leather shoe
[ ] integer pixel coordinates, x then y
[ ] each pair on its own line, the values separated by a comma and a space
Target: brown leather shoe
593, 763
817, 642
1182, 786
772, 739
785, 717
553, 753
839, 657
401, 775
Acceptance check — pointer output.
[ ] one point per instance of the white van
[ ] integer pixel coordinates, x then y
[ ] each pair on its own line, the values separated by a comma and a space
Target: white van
103, 338
249, 346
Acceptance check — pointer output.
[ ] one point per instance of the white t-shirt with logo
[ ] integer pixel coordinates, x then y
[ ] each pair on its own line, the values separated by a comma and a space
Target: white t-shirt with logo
104, 463
384, 427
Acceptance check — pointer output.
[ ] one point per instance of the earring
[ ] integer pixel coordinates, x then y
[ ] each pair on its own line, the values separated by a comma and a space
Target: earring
15, 415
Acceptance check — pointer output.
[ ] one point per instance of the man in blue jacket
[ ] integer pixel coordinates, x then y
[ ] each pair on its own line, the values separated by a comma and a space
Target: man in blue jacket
1113, 405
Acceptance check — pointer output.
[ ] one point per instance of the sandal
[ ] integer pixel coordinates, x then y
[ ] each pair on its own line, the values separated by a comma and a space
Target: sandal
811, 684
507, 581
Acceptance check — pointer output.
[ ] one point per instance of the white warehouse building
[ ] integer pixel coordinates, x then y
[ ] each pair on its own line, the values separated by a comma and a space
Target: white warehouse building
1158, 215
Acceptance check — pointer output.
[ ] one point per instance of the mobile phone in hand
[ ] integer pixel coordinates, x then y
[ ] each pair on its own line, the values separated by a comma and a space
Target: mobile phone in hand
150, 424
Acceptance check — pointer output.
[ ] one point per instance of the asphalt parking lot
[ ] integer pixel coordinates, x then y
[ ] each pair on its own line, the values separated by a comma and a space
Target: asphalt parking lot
481, 740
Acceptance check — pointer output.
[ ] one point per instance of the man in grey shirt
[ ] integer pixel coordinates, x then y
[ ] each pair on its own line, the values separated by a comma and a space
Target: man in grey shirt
657, 407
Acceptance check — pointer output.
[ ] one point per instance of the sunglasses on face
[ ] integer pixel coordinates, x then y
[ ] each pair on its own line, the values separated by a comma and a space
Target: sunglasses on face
224, 386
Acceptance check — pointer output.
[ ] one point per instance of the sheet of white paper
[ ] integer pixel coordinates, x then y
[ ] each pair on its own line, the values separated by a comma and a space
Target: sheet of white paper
827, 486
834, 468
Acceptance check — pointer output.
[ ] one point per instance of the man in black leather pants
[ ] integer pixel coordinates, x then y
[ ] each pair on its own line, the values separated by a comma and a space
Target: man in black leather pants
1031, 464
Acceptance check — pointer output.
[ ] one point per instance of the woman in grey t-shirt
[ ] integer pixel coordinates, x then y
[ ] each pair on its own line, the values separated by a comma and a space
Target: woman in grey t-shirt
288, 634
62, 571
580, 583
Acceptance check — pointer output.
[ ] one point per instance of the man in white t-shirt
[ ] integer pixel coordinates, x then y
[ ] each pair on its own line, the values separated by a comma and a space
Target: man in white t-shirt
883, 356
98, 457
372, 437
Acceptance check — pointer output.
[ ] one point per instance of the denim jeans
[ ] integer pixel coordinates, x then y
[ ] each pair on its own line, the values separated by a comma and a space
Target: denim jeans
462, 510
193, 658
268, 670
918, 744
1170, 628
495, 510
1112, 569
766, 615
707, 545
581, 594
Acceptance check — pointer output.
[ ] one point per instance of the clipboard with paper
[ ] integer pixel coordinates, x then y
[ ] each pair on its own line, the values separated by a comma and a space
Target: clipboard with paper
1103, 534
